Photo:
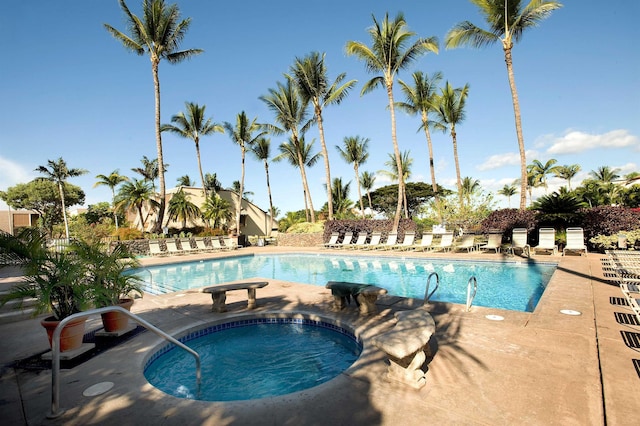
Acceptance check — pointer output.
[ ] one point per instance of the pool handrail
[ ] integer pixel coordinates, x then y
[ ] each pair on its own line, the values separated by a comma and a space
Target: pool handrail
55, 350
428, 295
470, 296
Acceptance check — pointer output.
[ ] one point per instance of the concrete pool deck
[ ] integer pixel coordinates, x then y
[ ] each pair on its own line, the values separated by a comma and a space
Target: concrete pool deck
532, 368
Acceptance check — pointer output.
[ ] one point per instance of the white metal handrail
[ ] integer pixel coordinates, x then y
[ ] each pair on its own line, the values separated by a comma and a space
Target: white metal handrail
55, 351
470, 295
428, 295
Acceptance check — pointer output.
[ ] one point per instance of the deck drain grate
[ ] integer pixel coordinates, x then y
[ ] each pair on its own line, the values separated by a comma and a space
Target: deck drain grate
627, 319
631, 339
618, 301
636, 365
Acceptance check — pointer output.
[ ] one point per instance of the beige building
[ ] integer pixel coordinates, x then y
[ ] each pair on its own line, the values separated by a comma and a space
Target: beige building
12, 220
253, 220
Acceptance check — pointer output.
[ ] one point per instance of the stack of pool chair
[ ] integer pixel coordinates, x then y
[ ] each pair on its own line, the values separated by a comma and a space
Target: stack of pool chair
627, 268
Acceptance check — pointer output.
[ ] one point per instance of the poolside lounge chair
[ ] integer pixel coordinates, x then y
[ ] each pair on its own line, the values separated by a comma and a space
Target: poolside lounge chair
494, 243
546, 241
575, 241
392, 240
201, 245
333, 239
154, 248
446, 241
346, 240
360, 242
468, 242
230, 244
519, 242
374, 242
185, 243
172, 248
217, 246
407, 242
425, 244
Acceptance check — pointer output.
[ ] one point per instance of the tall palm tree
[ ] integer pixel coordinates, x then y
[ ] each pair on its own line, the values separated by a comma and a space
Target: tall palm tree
299, 155
149, 170
310, 76
235, 187
451, 103
212, 183
542, 170
158, 34
367, 180
392, 173
390, 52
355, 152
507, 21
508, 191
217, 210
185, 180
470, 187
567, 172
192, 125
262, 151
181, 208
291, 114
112, 180
340, 193
136, 194
605, 174
58, 173
421, 98
242, 134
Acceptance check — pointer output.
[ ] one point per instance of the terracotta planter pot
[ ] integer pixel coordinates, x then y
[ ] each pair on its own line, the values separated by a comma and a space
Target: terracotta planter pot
72, 333
116, 321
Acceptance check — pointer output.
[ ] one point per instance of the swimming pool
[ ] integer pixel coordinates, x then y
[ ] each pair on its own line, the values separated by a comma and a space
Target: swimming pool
504, 285
254, 358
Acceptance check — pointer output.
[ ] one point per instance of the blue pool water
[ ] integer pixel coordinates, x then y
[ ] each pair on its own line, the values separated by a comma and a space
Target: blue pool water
505, 285
254, 358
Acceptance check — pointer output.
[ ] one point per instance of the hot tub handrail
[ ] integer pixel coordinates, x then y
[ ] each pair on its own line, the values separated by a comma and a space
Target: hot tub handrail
55, 350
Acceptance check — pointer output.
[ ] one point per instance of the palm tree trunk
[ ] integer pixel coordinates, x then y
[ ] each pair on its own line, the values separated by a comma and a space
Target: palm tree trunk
516, 110
327, 169
239, 205
355, 168
266, 170
204, 187
455, 157
163, 189
113, 205
64, 210
432, 166
396, 151
305, 184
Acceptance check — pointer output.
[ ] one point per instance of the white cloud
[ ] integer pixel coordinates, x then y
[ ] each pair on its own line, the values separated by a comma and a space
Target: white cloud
501, 160
13, 173
575, 141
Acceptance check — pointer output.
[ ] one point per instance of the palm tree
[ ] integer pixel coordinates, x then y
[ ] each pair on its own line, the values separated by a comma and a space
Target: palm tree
533, 181
149, 170
367, 180
291, 114
158, 34
310, 76
185, 180
340, 193
217, 210
212, 183
392, 173
112, 180
451, 103
605, 174
421, 98
470, 187
242, 135
567, 172
542, 170
181, 208
355, 152
299, 155
58, 173
508, 191
262, 150
192, 126
136, 194
388, 55
235, 187
507, 21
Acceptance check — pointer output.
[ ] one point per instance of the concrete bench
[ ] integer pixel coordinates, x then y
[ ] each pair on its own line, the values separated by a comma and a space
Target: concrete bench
219, 294
365, 295
407, 346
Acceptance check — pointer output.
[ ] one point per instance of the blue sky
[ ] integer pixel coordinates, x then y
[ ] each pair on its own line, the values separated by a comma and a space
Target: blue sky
68, 89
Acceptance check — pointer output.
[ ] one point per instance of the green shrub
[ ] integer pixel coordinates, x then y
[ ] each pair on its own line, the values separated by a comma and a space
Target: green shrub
129, 234
305, 228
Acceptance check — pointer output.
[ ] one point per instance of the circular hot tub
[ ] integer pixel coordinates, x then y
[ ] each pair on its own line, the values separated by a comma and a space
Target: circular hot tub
254, 358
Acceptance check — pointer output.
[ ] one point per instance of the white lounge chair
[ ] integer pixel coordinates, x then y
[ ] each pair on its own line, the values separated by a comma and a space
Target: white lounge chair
154, 248
519, 242
229, 243
446, 241
333, 239
468, 242
425, 244
172, 248
407, 242
217, 246
185, 243
392, 240
361, 241
201, 245
546, 241
374, 242
494, 243
346, 240
575, 241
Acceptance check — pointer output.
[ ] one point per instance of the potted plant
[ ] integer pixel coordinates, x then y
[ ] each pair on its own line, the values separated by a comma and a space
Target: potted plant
111, 283
57, 280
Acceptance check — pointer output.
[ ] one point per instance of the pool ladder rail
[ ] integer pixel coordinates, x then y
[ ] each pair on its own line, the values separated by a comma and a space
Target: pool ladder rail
472, 289
471, 294
428, 295
56, 411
